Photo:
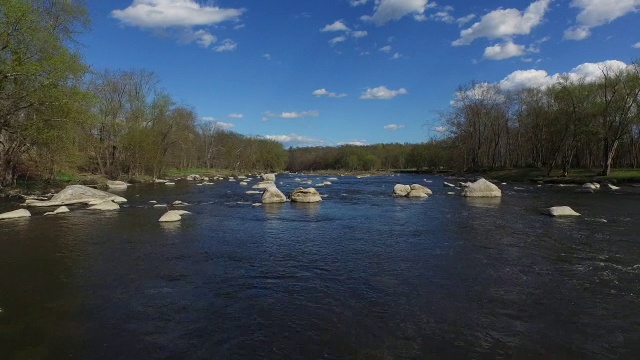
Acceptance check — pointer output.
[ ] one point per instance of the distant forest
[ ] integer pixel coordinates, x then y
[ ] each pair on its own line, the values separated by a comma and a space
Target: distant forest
59, 115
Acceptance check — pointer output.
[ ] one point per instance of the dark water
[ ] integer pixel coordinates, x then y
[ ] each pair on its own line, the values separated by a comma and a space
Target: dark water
362, 275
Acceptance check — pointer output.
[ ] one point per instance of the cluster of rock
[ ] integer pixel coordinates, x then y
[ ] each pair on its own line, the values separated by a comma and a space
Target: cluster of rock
413, 190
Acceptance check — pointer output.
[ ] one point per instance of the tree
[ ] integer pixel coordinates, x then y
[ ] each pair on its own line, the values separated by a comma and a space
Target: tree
40, 77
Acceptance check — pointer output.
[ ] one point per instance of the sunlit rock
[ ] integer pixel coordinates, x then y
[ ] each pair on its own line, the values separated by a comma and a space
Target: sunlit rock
481, 188
269, 177
273, 195
561, 211
592, 186
308, 195
173, 215
15, 214
264, 185
417, 194
421, 188
401, 190
179, 203
611, 186
60, 210
77, 194
194, 177
446, 184
105, 205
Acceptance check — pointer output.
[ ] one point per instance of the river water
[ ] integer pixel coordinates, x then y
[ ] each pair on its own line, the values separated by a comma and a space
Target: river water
362, 275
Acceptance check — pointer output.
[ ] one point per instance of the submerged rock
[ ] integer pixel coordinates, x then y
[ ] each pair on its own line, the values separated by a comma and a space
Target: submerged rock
173, 215
117, 185
308, 195
481, 188
561, 211
77, 194
105, 205
15, 214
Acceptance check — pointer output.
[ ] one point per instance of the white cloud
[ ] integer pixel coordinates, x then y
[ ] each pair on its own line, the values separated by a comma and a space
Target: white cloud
223, 125
444, 16
337, 39
465, 19
227, 45
354, 143
325, 92
598, 12
541, 79
393, 127
503, 51
505, 23
358, 2
388, 10
235, 116
338, 25
386, 48
382, 93
291, 115
636, 45
267, 56
170, 13
202, 37
295, 140
439, 129
577, 33
208, 118
359, 34
396, 56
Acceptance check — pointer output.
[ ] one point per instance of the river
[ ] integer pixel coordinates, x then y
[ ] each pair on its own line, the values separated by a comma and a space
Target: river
361, 275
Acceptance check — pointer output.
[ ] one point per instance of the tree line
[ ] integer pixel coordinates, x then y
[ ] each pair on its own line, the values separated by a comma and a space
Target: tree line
56, 113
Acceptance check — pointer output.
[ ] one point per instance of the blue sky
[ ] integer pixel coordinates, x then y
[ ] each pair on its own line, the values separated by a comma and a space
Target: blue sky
331, 72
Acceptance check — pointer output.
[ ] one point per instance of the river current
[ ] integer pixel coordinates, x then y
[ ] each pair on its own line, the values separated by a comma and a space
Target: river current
361, 275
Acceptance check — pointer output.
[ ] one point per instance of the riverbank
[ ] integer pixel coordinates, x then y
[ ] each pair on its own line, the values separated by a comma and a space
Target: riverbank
577, 176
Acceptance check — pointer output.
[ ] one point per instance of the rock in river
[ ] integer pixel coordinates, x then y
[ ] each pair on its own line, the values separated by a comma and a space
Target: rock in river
561, 211
15, 214
173, 215
481, 188
272, 195
308, 195
77, 194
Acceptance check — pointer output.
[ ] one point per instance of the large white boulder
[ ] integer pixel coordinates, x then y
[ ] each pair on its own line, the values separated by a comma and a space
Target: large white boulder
77, 194
481, 188
308, 195
269, 177
421, 188
173, 215
401, 190
417, 194
272, 195
561, 211
105, 205
15, 214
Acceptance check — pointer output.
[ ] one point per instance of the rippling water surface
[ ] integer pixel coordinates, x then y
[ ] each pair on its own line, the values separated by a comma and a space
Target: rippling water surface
362, 275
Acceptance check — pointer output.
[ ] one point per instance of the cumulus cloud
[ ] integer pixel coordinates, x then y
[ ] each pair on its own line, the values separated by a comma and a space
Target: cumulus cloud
358, 2
168, 13
465, 19
396, 56
223, 125
295, 140
291, 115
382, 93
266, 56
208, 118
324, 92
541, 79
636, 45
181, 19
504, 23
386, 48
597, 12
226, 45
390, 10
439, 129
338, 25
393, 127
354, 143
235, 116
503, 51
